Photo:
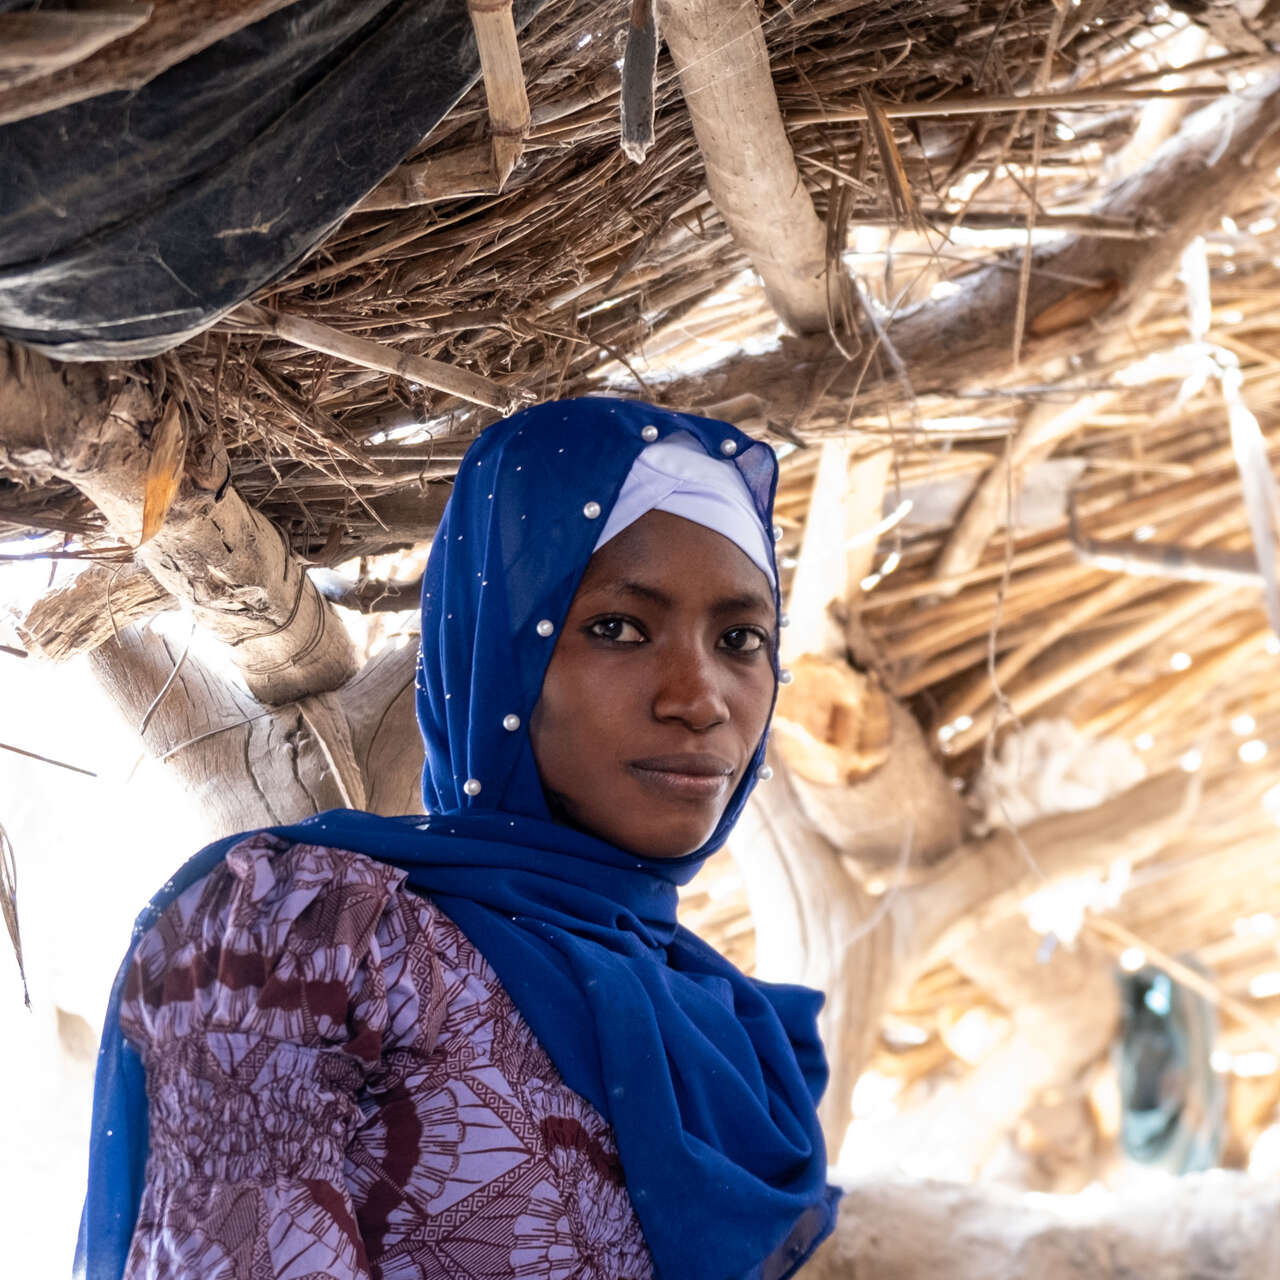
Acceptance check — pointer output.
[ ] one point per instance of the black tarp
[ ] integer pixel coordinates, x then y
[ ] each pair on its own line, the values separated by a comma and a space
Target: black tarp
131, 221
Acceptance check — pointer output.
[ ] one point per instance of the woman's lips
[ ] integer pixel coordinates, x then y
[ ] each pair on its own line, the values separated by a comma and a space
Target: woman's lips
687, 776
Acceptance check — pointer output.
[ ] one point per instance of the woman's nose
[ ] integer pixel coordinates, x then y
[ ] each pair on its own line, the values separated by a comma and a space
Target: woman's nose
689, 691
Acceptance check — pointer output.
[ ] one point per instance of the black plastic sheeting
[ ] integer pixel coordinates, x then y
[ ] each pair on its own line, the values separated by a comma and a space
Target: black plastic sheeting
131, 221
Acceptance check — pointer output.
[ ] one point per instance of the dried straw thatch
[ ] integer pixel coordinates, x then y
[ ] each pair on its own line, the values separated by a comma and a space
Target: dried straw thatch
586, 260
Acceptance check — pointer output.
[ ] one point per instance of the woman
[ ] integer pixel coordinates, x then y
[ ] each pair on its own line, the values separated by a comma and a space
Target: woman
477, 1044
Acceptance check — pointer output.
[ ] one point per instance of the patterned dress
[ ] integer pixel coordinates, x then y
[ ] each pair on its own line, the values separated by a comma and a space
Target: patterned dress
339, 1086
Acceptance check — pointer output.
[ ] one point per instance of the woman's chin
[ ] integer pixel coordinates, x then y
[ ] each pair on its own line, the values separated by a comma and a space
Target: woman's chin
656, 839
646, 829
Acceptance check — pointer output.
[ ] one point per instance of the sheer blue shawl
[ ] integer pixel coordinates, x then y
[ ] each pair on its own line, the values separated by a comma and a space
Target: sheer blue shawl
710, 1079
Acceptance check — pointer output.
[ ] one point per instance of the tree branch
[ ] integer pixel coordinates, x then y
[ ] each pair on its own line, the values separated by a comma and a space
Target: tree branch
719, 52
93, 425
1080, 286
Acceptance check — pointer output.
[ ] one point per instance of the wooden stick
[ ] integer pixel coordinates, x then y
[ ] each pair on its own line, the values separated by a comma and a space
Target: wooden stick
1063, 622
820, 576
957, 105
504, 87
376, 355
1066, 620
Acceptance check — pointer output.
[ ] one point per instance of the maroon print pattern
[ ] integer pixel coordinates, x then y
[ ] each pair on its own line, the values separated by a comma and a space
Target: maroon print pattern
340, 1087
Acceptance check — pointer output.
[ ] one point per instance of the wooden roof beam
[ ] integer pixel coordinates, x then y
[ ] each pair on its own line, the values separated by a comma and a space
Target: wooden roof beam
719, 54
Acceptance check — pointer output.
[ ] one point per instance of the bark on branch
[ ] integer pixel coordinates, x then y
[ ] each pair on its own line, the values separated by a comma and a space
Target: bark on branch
247, 765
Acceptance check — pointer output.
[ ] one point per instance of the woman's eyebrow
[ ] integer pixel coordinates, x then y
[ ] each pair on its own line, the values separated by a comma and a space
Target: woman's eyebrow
744, 603
627, 587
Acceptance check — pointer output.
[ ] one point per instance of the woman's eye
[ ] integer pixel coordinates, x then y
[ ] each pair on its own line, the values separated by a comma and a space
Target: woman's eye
619, 630
743, 640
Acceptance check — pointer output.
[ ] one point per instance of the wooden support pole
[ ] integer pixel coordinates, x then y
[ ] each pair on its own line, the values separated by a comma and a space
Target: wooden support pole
1062, 1011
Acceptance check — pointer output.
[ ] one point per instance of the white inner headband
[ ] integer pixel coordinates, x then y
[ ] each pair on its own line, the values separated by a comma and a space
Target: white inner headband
677, 475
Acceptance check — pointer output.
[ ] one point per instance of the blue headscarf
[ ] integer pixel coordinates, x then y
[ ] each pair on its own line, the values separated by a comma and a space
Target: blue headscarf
709, 1079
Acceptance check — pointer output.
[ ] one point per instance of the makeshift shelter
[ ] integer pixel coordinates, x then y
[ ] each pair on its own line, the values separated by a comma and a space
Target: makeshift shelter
1001, 282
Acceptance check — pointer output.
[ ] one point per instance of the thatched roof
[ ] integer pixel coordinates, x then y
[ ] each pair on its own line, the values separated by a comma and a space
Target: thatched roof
586, 260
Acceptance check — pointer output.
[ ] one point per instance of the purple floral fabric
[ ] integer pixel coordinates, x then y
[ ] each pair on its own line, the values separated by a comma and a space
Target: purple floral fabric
339, 1086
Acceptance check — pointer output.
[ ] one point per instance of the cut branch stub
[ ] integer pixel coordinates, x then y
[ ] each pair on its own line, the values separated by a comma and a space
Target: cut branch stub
96, 605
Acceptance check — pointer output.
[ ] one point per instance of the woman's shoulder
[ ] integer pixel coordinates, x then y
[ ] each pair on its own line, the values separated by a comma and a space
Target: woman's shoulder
268, 891
279, 933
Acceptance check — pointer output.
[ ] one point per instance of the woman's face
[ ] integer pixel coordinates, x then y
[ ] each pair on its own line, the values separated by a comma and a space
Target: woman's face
659, 688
